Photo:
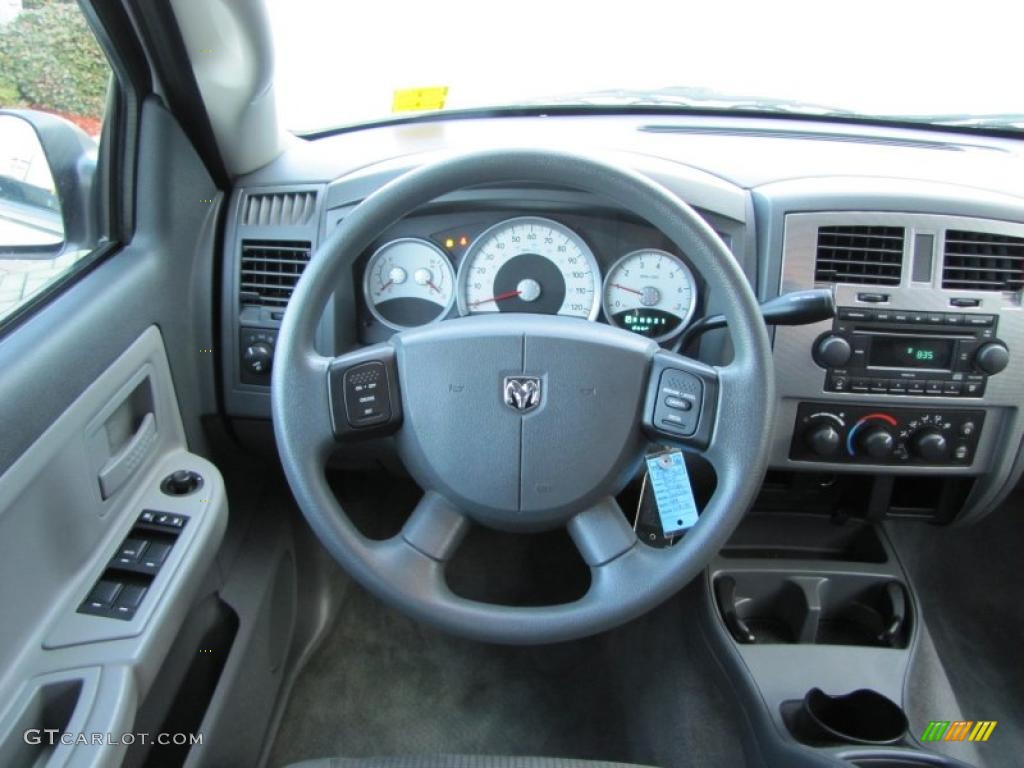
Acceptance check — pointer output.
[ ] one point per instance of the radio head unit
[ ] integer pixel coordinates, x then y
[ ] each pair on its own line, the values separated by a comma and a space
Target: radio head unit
897, 352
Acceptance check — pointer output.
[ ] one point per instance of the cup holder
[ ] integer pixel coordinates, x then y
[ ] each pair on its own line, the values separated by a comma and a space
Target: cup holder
761, 607
860, 717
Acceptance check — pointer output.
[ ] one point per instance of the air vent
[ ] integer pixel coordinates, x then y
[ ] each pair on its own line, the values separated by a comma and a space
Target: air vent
277, 209
270, 270
859, 254
979, 261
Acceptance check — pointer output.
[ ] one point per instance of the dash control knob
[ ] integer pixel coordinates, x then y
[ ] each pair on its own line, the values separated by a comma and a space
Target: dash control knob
992, 358
258, 357
824, 440
832, 351
877, 442
930, 445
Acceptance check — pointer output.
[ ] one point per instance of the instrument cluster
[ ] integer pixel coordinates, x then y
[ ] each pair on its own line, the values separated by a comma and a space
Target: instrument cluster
593, 267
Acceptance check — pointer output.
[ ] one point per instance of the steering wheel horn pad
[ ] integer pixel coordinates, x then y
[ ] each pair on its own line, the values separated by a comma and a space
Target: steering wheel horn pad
506, 461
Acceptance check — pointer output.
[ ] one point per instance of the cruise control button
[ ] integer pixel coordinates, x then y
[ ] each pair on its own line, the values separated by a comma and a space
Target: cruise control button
678, 403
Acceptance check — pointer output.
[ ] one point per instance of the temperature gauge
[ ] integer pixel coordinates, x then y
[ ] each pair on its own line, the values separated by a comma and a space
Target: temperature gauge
650, 292
409, 282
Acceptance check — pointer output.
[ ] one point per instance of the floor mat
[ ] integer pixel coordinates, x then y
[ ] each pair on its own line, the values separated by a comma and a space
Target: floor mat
382, 684
969, 582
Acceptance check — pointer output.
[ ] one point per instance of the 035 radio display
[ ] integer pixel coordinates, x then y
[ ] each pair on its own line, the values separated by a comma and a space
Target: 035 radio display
910, 352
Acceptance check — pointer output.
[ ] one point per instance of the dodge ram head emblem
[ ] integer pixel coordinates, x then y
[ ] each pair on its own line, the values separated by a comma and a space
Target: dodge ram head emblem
522, 393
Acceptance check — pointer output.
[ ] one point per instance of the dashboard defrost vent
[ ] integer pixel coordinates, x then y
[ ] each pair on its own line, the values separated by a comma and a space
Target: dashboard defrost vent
279, 209
269, 271
980, 261
859, 254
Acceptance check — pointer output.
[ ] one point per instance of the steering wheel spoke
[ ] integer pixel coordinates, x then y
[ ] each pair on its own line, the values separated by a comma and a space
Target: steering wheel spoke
601, 533
435, 528
365, 400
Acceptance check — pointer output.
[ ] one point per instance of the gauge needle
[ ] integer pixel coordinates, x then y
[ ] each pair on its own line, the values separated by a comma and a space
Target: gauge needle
385, 286
499, 297
624, 288
431, 284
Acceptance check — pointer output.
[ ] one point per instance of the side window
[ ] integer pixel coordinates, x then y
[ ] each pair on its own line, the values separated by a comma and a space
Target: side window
54, 80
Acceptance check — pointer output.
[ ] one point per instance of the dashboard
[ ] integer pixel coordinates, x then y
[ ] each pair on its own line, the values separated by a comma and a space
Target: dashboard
918, 234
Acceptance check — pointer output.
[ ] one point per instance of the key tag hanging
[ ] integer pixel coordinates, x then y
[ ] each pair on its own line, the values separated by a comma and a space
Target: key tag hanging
669, 482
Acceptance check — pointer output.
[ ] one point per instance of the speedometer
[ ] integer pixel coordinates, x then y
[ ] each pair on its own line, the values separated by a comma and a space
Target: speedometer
529, 264
650, 292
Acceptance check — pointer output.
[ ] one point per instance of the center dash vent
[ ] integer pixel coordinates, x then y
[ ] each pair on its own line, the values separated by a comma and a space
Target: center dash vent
279, 209
859, 254
269, 271
981, 261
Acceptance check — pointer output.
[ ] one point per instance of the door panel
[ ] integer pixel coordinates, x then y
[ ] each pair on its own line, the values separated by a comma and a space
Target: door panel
101, 396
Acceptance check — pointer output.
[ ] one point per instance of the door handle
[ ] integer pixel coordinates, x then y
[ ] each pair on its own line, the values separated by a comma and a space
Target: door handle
123, 464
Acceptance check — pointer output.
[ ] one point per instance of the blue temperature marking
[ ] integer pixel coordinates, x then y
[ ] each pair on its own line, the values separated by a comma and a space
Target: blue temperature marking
850, 435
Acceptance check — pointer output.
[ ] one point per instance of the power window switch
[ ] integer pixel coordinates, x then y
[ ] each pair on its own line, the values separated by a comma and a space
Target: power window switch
132, 549
128, 601
155, 555
103, 594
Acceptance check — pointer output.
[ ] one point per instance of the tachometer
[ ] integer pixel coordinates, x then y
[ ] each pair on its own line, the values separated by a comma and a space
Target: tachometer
409, 282
650, 292
529, 264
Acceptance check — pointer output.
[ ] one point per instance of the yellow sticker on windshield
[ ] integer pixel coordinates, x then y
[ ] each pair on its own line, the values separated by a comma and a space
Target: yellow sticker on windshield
419, 99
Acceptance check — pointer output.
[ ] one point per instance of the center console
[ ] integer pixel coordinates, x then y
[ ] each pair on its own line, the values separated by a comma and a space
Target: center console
919, 373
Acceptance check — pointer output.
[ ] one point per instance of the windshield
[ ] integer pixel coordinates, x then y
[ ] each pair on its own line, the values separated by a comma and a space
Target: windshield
340, 63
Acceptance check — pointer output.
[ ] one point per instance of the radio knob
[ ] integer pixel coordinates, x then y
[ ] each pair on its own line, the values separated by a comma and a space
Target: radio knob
992, 358
877, 442
823, 439
930, 445
832, 351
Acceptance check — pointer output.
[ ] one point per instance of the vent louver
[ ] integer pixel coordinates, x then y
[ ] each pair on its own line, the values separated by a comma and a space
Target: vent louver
269, 271
980, 261
277, 209
859, 254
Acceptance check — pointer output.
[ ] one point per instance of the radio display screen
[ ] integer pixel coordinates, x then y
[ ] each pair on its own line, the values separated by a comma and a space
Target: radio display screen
910, 352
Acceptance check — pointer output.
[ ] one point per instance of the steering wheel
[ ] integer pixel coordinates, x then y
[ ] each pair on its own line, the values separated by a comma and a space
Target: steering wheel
523, 422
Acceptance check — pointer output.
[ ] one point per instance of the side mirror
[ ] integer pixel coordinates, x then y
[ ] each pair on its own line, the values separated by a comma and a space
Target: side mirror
47, 172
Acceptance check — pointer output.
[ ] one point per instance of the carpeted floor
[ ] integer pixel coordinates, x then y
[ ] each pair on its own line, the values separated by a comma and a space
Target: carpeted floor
969, 582
382, 684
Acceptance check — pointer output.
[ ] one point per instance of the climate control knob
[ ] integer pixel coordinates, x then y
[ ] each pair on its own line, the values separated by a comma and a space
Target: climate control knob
823, 439
992, 358
877, 442
930, 445
832, 351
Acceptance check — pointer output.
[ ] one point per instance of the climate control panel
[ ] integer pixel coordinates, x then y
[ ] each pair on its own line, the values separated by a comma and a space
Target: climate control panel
888, 436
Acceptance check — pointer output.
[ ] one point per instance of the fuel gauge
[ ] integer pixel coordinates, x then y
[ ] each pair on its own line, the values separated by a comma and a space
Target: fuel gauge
409, 282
